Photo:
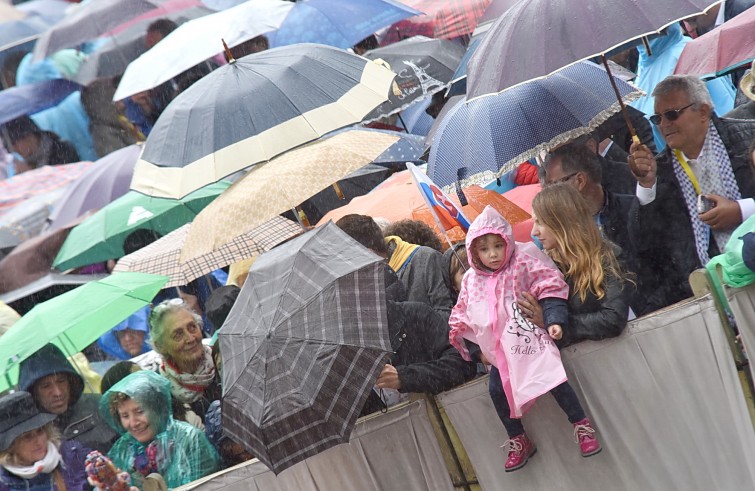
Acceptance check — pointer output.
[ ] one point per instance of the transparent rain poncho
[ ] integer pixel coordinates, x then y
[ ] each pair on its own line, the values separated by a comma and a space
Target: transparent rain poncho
179, 452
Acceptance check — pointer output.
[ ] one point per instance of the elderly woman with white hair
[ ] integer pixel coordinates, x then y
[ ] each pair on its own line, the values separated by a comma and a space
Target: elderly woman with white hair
176, 334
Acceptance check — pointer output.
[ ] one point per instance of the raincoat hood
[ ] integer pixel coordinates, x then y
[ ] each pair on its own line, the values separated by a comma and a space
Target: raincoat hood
151, 391
489, 222
137, 322
47, 361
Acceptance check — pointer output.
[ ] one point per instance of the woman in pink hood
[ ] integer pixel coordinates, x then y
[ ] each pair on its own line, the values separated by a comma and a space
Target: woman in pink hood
522, 354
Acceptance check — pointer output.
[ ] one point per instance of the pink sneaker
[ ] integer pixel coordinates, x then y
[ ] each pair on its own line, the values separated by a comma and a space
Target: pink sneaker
584, 434
520, 450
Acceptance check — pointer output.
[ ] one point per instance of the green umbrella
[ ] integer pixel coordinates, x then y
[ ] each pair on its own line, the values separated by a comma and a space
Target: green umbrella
75, 319
100, 237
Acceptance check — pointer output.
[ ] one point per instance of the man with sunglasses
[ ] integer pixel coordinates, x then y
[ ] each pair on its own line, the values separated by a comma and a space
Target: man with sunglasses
705, 161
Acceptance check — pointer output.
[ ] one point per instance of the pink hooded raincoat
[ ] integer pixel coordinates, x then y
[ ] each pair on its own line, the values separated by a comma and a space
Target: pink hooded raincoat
488, 315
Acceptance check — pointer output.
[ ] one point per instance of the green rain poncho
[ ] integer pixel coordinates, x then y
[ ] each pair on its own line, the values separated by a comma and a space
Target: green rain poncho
179, 452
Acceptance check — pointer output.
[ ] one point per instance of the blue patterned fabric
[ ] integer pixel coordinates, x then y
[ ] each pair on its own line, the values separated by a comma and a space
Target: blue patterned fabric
495, 133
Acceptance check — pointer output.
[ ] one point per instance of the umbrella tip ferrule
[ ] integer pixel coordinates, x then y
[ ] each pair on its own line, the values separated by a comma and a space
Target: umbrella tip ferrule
227, 52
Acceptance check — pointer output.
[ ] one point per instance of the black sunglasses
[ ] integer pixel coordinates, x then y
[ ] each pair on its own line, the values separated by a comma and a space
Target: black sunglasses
671, 115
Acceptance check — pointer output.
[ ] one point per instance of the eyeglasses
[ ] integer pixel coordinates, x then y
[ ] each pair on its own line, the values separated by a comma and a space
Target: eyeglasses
159, 310
563, 179
671, 115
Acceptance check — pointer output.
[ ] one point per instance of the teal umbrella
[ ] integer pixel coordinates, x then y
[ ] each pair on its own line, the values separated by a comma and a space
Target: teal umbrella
100, 237
75, 319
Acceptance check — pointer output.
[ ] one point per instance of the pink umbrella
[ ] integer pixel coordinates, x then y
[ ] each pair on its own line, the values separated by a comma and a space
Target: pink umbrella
38, 181
729, 46
442, 19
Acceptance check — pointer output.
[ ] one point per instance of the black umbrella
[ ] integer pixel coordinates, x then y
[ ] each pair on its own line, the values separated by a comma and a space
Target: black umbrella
303, 346
423, 67
253, 109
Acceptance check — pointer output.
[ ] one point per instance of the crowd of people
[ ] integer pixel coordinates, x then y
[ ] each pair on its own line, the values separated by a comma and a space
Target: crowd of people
618, 226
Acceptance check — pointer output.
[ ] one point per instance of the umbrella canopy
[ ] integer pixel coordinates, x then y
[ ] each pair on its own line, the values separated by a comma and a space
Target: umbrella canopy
534, 39
101, 236
28, 218
423, 67
725, 48
38, 181
249, 111
162, 256
88, 21
30, 99
281, 184
28, 20
446, 19
102, 183
399, 198
49, 286
199, 39
491, 135
338, 23
303, 346
75, 319
116, 52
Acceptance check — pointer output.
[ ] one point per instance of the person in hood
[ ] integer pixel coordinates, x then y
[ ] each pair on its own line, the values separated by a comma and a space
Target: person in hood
37, 147
32, 455
139, 409
129, 338
58, 389
524, 359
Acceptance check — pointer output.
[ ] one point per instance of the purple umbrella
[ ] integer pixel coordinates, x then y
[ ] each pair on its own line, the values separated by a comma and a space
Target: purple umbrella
29, 99
107, 179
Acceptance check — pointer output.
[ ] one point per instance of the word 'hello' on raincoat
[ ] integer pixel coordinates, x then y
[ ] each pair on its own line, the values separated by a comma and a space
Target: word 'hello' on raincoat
487, 314
180, 451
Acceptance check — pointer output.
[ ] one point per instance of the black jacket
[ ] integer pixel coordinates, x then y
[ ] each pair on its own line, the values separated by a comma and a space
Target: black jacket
662, 230
596, 319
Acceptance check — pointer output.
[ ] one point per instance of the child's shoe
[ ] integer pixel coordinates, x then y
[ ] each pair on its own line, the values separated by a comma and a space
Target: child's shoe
520, 450
584, 434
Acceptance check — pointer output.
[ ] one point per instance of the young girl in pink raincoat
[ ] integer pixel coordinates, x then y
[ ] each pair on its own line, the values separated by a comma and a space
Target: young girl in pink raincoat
522, 354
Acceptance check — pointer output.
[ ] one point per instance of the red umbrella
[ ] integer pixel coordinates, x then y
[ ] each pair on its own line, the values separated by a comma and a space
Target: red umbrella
443, 19
729, 46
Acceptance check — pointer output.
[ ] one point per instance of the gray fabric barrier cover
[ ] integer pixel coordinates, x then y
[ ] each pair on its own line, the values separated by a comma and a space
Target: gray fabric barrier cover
742, 303
664, 397
396, 450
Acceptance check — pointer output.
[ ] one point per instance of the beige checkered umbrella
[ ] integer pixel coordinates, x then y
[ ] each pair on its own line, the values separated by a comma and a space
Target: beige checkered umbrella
279, 185
161, 257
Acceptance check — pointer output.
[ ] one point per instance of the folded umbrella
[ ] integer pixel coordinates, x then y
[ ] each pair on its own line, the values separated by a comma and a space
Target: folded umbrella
29, 99
101, 236
302, 347
253, 109
108, 179
197, 40
281, 184
75, 319
338, 23
727, 47
445, 19
423, 67
489, 136
162, 256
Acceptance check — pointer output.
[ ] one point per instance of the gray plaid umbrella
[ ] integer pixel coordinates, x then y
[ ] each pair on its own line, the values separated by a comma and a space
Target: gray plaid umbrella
303, 346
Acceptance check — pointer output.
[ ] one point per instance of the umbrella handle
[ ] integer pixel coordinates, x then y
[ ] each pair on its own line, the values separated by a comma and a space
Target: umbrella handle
628, 121
227, 52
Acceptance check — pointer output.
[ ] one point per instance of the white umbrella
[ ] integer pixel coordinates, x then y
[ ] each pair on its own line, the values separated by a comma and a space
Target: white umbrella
199, 39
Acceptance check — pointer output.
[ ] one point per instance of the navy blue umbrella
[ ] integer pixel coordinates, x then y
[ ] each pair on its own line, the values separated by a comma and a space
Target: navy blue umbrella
488, 136
30, 99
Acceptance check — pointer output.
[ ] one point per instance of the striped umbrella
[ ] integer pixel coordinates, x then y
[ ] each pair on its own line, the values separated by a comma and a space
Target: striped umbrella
303, 346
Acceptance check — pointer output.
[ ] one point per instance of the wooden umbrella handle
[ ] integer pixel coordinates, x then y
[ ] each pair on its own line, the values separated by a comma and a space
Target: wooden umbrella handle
632, 132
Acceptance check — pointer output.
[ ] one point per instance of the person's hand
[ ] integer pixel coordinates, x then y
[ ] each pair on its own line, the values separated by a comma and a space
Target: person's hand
555, 331
531, 308
726, 215
388, 378
642, 164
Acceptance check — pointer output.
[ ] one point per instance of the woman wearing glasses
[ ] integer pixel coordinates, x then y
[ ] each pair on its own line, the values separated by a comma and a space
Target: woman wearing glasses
176, 333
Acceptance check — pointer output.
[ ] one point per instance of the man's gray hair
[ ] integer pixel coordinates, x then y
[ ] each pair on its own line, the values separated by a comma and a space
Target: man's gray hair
697, 92
157, 321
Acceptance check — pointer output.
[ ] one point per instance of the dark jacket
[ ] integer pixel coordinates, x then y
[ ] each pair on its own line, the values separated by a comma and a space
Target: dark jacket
743, 111
662, 229
425, 278
59, 151
81, 422
72, 454
617, 177
595, 319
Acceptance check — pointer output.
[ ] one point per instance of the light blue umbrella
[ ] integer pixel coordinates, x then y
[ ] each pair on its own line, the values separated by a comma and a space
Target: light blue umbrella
338, 23
490, 135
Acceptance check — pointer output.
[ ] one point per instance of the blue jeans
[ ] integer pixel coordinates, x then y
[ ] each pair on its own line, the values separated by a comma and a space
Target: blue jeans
564, 395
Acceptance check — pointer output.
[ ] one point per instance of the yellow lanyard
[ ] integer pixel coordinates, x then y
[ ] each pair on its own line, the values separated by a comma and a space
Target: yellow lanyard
687, 170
